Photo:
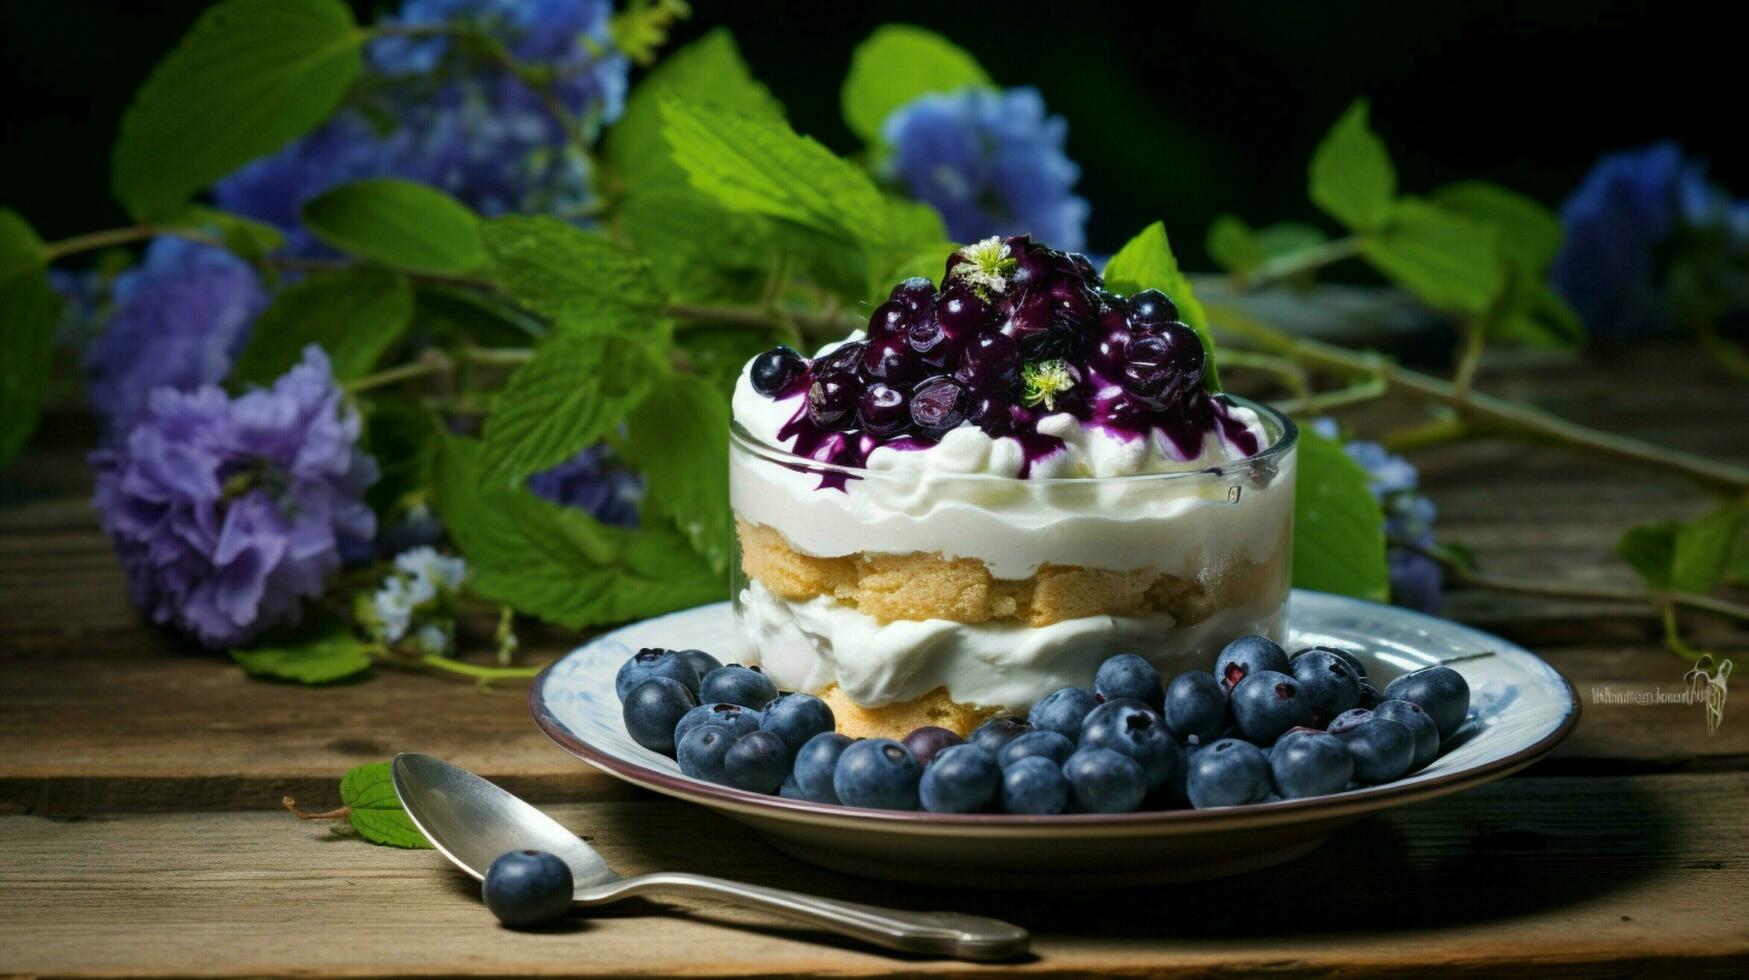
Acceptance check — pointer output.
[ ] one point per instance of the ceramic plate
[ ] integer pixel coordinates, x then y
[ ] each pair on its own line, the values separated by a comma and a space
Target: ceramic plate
1520, 709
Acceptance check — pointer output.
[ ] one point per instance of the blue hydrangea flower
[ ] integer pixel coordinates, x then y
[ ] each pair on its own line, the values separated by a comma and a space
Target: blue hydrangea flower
228, 513
594, 481
1417, 581
991, 162
179, 319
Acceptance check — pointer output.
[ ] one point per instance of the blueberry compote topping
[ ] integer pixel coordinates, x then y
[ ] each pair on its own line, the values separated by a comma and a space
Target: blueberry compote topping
1017, 332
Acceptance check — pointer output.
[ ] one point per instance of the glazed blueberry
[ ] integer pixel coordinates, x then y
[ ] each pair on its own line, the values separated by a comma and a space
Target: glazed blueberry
1440, 691
1229, 772
1307, 762
651, 662
1330, 685
1353, 661
888, 320
701, 662
815, 763
1063, 711
1129, 676
1103, 781
701, 753
993, 414
990, 365
962, 779
653, 709
938, 404
1034, 785
796, 718
916, 295
889, 359
1247, 655
736, 684
527, 888
832, 402
1196, 707
775, 370
1054, 746
1161, 368
1382, 749
1150, 308
927, 742
882, 411
1129, 727
756, 762
1420, 724
738, 720
1268, 703
878, 773
997, 732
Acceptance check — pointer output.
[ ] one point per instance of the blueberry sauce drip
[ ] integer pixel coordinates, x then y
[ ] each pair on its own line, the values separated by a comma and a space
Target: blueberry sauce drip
1017, 332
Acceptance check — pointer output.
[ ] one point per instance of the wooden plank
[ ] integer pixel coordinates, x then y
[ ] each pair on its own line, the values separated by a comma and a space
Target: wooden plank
1645, 873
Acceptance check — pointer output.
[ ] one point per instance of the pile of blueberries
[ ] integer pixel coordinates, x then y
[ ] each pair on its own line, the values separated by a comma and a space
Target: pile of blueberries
1261, 726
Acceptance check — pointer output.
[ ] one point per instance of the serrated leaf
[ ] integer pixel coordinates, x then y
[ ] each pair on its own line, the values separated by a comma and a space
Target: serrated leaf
30, 309
577, 389
1339, 529
678, 437
249, 77
1351, 175
1450, 262
320, 653
698, 251
354, 314
375, 811
399, 223
571, 275
896, 64
1529, 234
1146, 262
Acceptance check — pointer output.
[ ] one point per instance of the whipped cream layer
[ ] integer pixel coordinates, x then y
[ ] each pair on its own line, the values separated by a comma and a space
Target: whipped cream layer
962, 497
808, 646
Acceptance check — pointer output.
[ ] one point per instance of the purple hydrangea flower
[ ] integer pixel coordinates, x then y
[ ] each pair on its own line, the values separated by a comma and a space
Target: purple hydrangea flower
228, 513
1417, 581
179, 319
594, 481
991, 162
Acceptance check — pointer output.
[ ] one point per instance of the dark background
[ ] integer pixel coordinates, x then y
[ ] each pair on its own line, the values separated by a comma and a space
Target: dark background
1180, 113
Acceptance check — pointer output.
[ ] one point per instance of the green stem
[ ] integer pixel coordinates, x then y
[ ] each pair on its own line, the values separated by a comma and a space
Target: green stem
1475, 341
1432, 432
121, 236
485, 675
1315, 404
1295, 263
432, 362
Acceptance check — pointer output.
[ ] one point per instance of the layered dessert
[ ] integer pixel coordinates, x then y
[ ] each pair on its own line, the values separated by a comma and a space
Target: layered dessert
1001, 483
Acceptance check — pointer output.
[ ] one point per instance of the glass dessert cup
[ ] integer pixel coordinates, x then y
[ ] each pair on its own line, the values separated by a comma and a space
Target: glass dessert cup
908, 598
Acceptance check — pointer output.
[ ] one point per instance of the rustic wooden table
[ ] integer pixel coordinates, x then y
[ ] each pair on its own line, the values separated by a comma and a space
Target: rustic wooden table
140, 829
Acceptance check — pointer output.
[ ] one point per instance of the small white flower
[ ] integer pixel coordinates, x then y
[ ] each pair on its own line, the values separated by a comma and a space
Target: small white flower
426, 564
394, 609
431, 639
987, 264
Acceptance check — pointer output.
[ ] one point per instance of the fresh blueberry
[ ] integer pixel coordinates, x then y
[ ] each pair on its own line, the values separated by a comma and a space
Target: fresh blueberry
738, 720
796, 718
878, 773
1370, 697
1420, 724
1307, 762
927, 742
701, 753
1103, 781
1267, 703
791, 790
1440, 691
962, 779
1034, 785
653, 709
815, 763
736, 684
703, 663
651, 662
757, 762
775, 370
1329, 684
1063, 711
997, 732
1054, 746
1382, 749
1129, 676
1246, 656
527, 888
1229, 772
1131, 728
1353, 661
1196, 707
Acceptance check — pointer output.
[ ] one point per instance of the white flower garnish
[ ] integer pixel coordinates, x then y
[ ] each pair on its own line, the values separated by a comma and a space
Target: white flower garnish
431, 640
987, 264
442, 574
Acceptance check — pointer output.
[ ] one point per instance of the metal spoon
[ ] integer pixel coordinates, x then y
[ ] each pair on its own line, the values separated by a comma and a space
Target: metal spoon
472, 822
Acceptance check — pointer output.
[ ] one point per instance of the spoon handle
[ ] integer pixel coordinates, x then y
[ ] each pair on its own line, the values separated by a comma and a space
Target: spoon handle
966, 937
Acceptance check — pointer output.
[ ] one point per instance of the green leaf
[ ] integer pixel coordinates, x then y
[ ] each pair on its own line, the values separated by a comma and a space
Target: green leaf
320, 653
251, 76
1450, 262
402, 436
1529, 234
1737, 563
1650, 549
399, 223
29, 311
678, 437
718, 352
354, 314
1703, 547
573, 276
1236, 247
896, 64
698, 251
1535, 315
576, 391
252, 240
375, 811
1339, 529
1146, 262
1351, 177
